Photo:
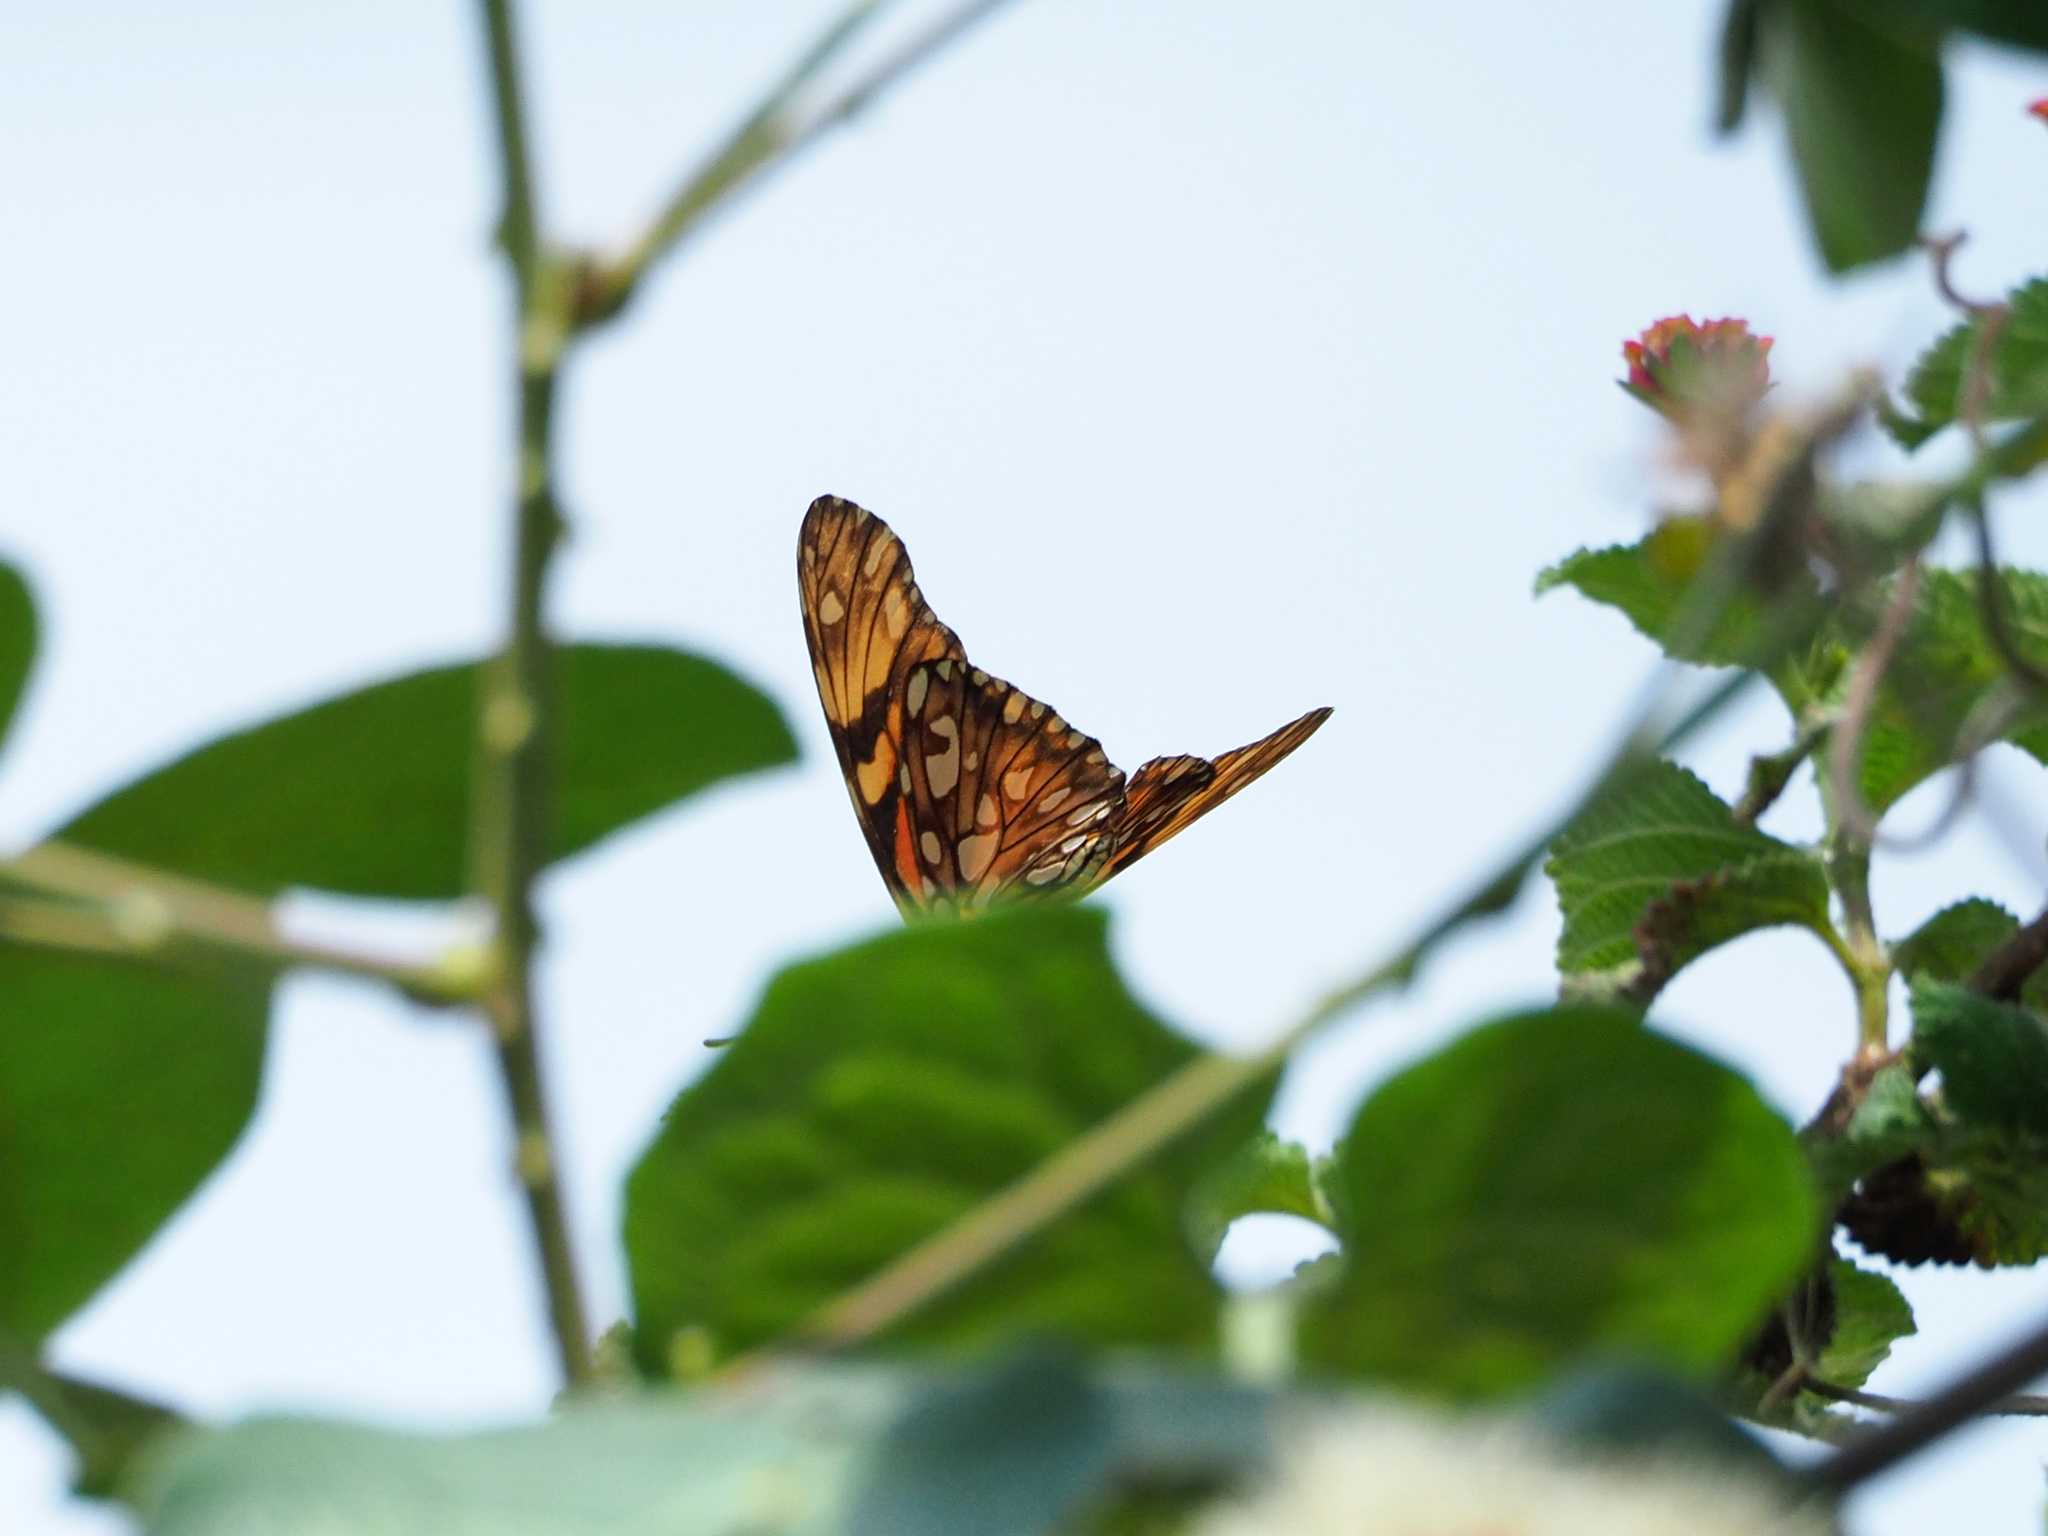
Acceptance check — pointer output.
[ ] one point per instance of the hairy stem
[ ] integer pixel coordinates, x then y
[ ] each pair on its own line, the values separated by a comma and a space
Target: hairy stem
512, 808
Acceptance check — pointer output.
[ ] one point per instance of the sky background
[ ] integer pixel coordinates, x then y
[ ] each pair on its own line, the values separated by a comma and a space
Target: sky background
1214, 360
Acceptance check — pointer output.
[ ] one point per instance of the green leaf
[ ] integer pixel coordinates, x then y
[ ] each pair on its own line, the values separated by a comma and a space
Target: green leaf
1891, 1123
1862, 98
785, 1457
882, 1091
2022, 23
1655, 875
1944, 671
1955, 941
1266, 1176
1008, 1452
1649, 581
109, 1431
805, 1450
1871, 1315
17, 642
1992, 1056
1553, 1188
122, 1086
2016, 369
368, 794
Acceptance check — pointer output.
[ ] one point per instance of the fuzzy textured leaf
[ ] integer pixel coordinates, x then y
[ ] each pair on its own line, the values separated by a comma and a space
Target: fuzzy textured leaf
1944, 668
1992, 1056
1953, 943
1871, 1315
1862, 99
1553, 1188
878, 1093
2016, 370
1659, 873
122, 1086
368, 794
1648, 582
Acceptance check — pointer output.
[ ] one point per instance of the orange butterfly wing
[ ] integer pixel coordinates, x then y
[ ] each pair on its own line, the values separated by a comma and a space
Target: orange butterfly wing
968, 789
1169, 793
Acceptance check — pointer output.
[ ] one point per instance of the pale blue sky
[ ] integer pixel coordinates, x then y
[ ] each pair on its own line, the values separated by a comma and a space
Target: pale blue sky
1215, 360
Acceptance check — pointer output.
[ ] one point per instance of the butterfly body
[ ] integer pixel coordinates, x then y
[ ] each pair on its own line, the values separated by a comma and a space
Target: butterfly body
969, 790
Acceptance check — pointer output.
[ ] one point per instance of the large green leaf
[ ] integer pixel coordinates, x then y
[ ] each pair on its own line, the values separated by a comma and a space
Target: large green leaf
1654, 876
1862, 98
1024, 1446
1953, 943
122, 1086
1554, 1188
2023, 23
368, 794
881, 1091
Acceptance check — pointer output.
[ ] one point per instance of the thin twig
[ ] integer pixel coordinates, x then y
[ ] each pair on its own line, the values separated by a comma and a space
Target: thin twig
519, 223
1768, 776
2017, 1405
112, 904
512, 811
769, 137
2005, 970
1991, 598
1845, 749
1923, 1423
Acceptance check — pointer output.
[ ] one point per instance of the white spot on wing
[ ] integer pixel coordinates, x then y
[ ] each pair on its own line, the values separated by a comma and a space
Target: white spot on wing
830, 609
942, 771
930, 844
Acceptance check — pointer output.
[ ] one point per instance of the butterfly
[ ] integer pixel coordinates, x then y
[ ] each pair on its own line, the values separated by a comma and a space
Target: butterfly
971, 791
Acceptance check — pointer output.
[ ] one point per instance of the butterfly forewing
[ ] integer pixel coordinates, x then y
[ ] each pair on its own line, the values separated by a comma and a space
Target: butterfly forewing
968, 789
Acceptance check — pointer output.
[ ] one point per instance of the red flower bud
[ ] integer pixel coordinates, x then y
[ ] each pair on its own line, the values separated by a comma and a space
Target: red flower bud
2039, 108
1698, 373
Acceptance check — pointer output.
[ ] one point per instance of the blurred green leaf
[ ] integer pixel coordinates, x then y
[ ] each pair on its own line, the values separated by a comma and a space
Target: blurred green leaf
783, 1457
1943, 671
2023, 23
122, 1086
1871, 1315
1862, 98
1649, 581
109, 1431
1953, 943
1266, 1176
1007, 1452
1614, 1411
2017, 369
881, 1091
17, 642
805, 1450
1554, 1188
1654, 876
368, 794
1891, 1123
1992, 1056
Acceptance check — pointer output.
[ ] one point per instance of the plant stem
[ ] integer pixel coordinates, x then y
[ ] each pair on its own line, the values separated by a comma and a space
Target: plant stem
79, 898
512, 807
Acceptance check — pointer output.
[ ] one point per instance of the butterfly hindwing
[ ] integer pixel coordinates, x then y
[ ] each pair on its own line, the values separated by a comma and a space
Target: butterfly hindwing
1168, 794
